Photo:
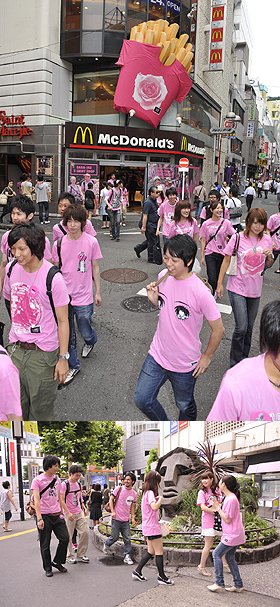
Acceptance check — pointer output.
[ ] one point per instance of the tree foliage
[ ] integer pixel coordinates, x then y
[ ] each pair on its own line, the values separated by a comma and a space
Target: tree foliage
96, 443
153, 457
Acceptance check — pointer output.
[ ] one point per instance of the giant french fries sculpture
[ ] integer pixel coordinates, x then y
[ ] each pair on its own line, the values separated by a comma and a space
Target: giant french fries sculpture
155, 67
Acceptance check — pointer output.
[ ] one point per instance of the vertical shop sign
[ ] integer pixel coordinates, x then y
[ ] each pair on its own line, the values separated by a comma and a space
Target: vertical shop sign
217, 35
12, 458
250, 130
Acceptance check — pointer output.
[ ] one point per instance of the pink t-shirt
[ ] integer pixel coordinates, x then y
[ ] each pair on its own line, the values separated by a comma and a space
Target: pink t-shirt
167, 210
218, 243
250, 264
57, 232
273, 224
77, 256
206, 498
246, 394
123, 505
186, 227
32, 317
5, 249
183, 304
73, 497
49, 503
10, 388
150, 518
233, 533
203, 213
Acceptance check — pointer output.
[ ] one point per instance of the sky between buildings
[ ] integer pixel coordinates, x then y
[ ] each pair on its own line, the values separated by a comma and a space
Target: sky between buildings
264, 18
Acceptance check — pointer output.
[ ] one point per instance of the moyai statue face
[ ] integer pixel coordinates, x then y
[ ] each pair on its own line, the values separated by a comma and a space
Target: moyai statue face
176, 469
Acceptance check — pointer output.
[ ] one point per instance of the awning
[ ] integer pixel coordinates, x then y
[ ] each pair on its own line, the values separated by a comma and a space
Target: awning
264, 467
15, 148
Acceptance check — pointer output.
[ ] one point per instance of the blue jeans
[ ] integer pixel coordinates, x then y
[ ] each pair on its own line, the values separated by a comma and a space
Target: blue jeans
229, 552
199, 207
245, 310
152, 377
116, 218
83, 316
122, 527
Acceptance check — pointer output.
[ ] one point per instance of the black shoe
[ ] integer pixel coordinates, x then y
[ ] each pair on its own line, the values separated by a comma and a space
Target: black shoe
49, 573
117, 239
60, 567
137, 253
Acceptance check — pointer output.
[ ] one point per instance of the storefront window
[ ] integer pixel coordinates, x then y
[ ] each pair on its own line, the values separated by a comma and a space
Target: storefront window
136, 12
237, 109
94, 93
173, 11
92, 43
157, 9
71, 15
114, 18
236, 146
199, 114
92, 14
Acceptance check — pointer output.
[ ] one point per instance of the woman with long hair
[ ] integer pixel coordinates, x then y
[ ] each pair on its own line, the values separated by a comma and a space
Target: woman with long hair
208, 491
214, 235
183, 222
233, 534
150, 505
95, 501
254, 253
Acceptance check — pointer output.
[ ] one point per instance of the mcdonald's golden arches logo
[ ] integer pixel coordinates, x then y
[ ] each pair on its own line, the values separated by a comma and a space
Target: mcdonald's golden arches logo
217, 34
184, 144
84, 132
216, 55
218, 13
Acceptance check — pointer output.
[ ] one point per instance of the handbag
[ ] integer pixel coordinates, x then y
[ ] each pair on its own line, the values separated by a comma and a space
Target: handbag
235, 212
217, 522
3, 199
232, 269
157, 254
115, 499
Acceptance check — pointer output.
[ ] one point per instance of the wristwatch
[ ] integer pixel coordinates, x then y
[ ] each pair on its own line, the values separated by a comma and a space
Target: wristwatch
65, 356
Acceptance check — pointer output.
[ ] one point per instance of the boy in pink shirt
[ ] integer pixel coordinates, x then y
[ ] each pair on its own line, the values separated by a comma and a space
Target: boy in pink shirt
175, 352
49, 518
65, 200
73, 506
77, 256
39, 335
166, 213
122, 504
10, 408
241, 398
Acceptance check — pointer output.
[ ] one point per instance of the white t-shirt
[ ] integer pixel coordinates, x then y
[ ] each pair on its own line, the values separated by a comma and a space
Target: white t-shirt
231, 203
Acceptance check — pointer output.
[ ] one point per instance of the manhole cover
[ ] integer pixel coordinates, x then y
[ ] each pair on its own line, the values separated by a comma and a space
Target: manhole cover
124, 275
111, 561
138, 303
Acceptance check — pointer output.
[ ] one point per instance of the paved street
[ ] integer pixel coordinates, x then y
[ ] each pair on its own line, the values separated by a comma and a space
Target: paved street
104, 388
107, 582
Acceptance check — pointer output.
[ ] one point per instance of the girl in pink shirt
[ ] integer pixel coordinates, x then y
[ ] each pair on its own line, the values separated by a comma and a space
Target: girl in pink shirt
166, 213
205, 500
183, 222
254, 251
214, 234
233, 535
151, 503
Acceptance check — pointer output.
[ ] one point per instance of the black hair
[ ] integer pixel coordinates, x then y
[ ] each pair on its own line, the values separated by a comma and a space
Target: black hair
132, 476
201, 182
96, 487
75, 468
171, 191
234, 190
105, 486
152, 189
208, 474
76, 212
6, 485
40, 177
270, 328
24, 204
215, 193
67, 196
49, 461
183, 247
34, 237
90, 185
232, 485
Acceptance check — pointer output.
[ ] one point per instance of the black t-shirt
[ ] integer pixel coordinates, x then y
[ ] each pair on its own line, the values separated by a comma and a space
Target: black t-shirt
150, 208
89, 194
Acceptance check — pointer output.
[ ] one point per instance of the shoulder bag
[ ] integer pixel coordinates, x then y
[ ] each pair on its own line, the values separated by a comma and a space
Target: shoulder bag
232, 269
115, 499
214, 235
3, 199
235, 212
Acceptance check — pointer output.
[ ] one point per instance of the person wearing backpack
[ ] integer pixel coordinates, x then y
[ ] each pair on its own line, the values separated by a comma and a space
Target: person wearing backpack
73, 505
48, 505
234, 207
65, 200
10, 407
39, 335
6, 500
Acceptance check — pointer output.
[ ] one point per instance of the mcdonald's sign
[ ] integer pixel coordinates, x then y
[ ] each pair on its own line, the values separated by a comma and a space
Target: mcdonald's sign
217, 34
86, 131
218, 13
216, 55
184, 144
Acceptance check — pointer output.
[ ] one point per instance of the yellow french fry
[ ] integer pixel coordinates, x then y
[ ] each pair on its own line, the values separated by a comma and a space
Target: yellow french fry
165, 52
182, 41
188, 47
173, 45
172, 31
151, 25
139, 37
166, 25
170, 59
133, 32
189, 69
141, 27
149, 37
163, 38
187, 60
158, 29
181, 54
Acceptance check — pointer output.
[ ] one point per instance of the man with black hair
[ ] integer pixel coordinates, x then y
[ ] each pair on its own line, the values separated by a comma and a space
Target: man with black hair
175, 352
39, 335
73, 505
64, 201
149, 224
123, 505
48, 505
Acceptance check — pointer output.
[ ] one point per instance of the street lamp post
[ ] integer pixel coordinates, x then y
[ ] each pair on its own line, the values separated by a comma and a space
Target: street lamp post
18, 435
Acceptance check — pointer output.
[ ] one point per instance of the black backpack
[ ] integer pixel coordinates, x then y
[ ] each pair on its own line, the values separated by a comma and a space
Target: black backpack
50, 275
67, 491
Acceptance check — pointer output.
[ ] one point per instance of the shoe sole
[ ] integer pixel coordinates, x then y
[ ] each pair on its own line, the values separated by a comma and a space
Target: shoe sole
135, 577
165, 584
86, 355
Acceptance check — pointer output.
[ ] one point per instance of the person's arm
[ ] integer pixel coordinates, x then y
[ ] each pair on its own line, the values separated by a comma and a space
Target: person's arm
144, 223
3, 264
159, 224
61, 367
64, 507
223, 270
152, 293
203, 246
217, 332
111, 504
10, 497
206, 509
217, 508
36, 495
156, 505
133, 510
96, 278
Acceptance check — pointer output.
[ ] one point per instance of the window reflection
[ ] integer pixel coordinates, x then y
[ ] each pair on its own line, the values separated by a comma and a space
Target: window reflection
71, 15
114, 18
92, 14
94, 93
136, 12
199, 114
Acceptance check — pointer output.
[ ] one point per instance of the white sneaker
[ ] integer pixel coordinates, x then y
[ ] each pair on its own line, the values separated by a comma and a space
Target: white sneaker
234, 589
127, 560
86, 350
47, 222
69, 377
71, 560
83, 559
215, 588
106, 548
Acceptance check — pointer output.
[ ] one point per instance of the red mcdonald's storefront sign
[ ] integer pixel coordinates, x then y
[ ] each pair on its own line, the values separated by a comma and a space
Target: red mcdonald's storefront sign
12, 458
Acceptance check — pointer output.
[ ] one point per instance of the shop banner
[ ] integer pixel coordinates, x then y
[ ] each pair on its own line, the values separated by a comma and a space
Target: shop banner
250, 130
183, 425
31, 432
12, 458
173, 427
217, 35
6, 429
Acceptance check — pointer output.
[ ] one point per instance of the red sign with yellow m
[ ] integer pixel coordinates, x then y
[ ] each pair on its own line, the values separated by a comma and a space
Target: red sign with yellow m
218, 13
217, 34
216, 55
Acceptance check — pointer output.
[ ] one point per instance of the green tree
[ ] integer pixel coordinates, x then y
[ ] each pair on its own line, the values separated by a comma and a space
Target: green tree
153, 457
93, 442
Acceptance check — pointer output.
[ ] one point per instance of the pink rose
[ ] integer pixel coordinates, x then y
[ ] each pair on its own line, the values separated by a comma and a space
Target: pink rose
252, 262
149, 91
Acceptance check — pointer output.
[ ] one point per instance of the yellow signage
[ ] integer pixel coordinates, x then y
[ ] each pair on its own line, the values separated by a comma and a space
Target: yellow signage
6, 429
184, 144
31, 432
84, 132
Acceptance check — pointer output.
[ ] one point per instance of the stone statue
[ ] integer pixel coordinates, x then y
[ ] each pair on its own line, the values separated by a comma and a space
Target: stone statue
176, 468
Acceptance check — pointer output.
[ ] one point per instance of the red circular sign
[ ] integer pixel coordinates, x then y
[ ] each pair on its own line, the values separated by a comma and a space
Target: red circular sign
184, 163
228, 124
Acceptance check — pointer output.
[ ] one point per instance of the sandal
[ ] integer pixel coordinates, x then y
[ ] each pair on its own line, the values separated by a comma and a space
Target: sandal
203, 572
